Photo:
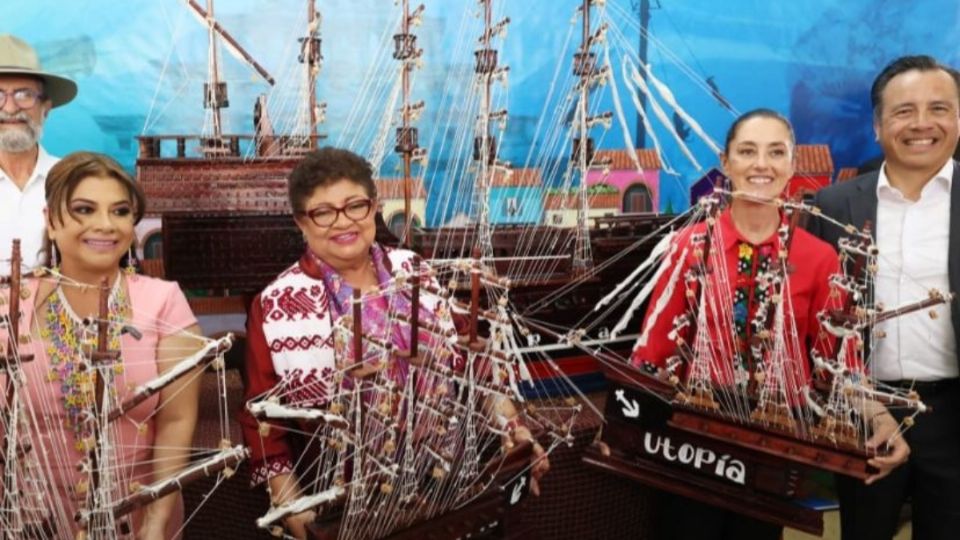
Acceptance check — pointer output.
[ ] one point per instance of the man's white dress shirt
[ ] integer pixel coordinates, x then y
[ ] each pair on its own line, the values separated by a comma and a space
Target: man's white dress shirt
21, 213
913, 240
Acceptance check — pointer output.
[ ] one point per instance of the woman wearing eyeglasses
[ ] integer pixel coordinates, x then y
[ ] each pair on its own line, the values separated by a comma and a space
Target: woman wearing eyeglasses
289, 327
332, 195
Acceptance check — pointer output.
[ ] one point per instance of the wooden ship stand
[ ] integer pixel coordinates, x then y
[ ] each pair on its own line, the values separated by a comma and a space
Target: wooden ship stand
489, 515
701, 455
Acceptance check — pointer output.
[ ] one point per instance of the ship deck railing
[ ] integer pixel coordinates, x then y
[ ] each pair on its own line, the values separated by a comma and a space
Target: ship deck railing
227, 146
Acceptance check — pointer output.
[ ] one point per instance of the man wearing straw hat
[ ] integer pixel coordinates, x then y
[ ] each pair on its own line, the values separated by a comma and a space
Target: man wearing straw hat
27, 93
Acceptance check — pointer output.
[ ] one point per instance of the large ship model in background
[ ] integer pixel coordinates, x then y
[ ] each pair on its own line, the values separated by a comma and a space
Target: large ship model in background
227, 228
222, 197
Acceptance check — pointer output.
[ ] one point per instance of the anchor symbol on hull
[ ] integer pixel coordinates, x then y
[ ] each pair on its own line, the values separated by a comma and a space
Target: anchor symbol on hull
631, 409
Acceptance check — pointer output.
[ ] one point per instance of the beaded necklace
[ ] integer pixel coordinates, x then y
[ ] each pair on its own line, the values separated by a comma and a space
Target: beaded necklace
68, 341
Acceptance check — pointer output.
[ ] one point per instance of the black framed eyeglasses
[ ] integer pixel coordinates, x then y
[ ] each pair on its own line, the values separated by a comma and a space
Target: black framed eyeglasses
25, 98
326, 216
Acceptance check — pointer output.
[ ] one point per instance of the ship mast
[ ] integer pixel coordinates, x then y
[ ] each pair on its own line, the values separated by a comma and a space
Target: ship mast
485, 143
584, 67
11, 514
644, 9
214, 89
312, 59
405, 50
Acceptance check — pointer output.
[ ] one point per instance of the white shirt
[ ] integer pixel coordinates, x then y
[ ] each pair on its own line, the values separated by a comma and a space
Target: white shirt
21, 213
913, 240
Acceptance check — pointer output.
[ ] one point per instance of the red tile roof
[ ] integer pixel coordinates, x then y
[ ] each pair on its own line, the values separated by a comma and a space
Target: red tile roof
392, 188
621, 159
814, 159
556, 201
518, 178
846, 173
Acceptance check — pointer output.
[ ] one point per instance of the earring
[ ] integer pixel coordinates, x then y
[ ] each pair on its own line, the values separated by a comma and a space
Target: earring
54, 259
131, 267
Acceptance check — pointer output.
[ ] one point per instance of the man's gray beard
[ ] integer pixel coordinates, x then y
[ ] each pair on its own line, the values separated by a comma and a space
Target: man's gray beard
20, 140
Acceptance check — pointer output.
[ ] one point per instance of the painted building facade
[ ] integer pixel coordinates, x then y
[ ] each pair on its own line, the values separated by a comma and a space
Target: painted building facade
639, 191
846, 173
390, 194
560, 209
516, 197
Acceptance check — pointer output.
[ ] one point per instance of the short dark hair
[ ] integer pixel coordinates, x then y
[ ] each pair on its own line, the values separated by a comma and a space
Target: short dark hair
66, 175
902, 65
756, 113
326, 166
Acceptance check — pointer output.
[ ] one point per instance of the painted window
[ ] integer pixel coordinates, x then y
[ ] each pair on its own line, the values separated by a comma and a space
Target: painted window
512, 206
637, 198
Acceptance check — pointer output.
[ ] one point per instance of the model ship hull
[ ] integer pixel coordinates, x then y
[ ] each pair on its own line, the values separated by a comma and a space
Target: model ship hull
201, 185
490, 514
747, 469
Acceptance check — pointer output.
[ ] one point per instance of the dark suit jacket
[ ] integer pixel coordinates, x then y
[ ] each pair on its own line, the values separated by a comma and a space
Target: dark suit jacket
855, 202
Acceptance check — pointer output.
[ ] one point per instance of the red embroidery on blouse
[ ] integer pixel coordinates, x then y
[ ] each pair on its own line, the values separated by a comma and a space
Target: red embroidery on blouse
291, 305
270, 468
296, 303
294, 344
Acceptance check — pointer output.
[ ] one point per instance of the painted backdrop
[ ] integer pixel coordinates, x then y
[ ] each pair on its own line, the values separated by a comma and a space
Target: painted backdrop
140, 64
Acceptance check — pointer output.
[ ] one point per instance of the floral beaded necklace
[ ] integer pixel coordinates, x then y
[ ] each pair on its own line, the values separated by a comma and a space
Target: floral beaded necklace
67, 342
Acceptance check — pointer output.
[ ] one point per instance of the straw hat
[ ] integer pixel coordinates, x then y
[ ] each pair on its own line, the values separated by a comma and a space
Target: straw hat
19, 58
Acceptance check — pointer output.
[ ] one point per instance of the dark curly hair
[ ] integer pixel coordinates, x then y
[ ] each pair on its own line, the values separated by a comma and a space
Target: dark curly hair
326, 166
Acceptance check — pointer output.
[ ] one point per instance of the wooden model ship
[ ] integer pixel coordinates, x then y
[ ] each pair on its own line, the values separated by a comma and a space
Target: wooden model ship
110, 482
744, 442
410, 441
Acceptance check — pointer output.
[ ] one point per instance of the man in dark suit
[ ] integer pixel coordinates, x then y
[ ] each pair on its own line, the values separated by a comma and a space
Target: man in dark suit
913, 202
